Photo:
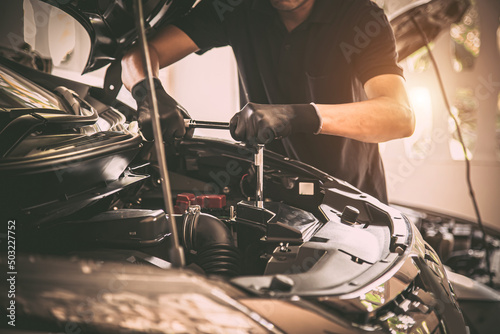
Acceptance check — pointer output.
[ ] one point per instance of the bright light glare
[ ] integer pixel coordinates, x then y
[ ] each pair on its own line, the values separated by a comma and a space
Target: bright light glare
420, 98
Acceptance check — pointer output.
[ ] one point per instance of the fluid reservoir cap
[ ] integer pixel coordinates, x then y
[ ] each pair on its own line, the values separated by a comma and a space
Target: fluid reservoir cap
281, 283
349, 215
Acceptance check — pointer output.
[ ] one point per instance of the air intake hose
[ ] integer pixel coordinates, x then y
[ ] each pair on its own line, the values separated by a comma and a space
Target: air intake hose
210, 244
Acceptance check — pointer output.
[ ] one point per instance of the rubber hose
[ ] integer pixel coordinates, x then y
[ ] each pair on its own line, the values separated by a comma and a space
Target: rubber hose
213, 244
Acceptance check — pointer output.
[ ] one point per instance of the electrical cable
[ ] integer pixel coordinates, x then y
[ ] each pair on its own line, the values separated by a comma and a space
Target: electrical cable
460, 138
241, 185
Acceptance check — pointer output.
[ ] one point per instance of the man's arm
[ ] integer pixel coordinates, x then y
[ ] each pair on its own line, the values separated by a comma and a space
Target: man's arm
168, 46
384, 116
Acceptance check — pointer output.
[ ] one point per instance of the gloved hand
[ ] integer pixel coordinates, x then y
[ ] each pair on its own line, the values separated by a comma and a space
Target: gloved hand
172, 114
262, 123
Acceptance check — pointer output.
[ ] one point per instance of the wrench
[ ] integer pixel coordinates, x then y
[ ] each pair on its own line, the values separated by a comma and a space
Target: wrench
258, 158
193, 124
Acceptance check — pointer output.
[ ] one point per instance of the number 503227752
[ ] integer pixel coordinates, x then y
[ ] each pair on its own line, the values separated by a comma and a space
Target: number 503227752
11, 245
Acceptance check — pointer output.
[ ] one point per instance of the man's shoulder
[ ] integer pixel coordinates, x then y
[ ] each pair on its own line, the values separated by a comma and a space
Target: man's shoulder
231, 5
345, 10
226, 10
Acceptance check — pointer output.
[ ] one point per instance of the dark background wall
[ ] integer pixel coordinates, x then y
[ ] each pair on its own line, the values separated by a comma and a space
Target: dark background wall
11, 23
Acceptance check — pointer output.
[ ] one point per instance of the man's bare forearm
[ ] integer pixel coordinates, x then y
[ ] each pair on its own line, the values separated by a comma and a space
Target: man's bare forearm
133, 69
377, 120
384, 116
165, 48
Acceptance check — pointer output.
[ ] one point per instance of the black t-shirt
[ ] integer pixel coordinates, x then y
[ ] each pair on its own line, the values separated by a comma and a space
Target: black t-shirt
326, 60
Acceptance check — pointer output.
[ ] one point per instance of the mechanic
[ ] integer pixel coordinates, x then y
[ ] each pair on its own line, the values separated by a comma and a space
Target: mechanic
321, 78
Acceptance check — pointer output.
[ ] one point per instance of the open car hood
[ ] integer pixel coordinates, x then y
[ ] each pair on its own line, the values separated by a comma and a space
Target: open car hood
110, 24
432, 16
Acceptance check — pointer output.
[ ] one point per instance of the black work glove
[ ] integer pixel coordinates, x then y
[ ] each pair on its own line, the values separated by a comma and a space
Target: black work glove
262, 123
172, 114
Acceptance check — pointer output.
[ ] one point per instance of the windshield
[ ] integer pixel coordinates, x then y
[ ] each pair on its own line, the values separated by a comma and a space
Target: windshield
16, 92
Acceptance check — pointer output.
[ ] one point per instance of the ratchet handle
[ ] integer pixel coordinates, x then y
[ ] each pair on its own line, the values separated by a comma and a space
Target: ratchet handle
259, 155
192, 124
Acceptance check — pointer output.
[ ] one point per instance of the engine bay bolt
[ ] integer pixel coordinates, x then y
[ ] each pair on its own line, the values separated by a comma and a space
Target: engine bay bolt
232, 213
284, 247
349, 215
226, 190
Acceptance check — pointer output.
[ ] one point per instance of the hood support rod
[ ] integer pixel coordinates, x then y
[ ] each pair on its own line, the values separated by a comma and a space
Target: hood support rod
176, 251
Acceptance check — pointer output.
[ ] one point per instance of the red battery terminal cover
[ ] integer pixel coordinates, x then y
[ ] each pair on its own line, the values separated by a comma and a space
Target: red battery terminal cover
211, 201
183, 201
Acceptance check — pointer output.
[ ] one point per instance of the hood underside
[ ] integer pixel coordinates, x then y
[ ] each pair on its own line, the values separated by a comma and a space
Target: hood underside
111, 27
432, 17
110, 24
